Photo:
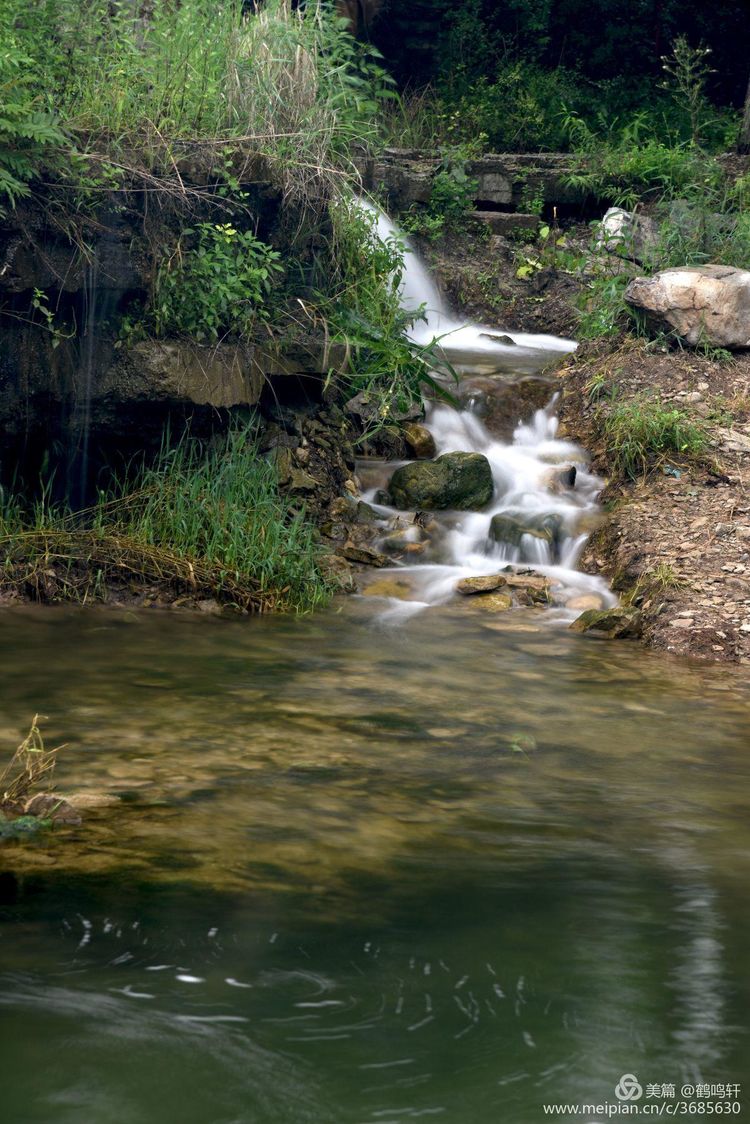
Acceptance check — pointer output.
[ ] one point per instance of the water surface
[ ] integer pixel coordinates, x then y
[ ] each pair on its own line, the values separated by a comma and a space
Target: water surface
454, 870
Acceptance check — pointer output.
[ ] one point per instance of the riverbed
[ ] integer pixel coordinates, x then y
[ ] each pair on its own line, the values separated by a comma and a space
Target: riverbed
459, 868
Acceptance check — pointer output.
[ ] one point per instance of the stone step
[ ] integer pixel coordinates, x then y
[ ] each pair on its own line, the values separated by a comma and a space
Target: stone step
502, 222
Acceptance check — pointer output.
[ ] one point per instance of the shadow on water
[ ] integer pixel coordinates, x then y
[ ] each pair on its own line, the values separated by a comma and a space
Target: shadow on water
460, 870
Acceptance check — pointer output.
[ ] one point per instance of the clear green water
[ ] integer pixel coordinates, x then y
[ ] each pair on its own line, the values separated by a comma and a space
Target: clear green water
355, 875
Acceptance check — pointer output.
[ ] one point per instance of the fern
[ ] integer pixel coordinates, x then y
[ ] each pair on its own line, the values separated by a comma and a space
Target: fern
26, 132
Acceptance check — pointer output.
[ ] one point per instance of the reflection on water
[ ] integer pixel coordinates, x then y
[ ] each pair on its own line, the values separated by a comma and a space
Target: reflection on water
458, 869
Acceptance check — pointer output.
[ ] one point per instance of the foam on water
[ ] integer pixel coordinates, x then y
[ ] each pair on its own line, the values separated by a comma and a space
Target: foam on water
521, 468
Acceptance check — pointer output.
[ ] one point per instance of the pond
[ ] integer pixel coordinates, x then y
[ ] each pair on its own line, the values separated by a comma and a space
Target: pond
458, 868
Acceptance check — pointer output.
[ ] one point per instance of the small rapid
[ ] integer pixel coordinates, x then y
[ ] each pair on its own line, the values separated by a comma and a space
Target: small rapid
544, 502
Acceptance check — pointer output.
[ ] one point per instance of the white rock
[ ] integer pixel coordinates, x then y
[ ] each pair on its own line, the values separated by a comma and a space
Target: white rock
701, 304
628, 234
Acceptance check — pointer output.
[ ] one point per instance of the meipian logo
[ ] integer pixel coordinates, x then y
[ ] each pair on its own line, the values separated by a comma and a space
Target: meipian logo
628, 1088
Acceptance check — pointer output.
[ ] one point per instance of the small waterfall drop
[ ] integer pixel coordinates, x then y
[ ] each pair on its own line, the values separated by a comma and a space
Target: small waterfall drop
545, 498
465, 345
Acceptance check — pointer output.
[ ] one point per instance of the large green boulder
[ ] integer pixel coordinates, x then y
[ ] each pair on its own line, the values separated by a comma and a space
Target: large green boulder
459, 481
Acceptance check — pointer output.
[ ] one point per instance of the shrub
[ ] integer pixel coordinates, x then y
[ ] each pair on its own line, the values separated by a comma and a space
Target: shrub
28, 133
218, 287
360, 299
452, 196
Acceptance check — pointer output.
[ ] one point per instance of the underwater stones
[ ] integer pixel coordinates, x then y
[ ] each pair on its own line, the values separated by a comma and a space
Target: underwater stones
494, 602
585, 601
420, 441
483, 583
458, 481
610, 624
389, 587
510, 528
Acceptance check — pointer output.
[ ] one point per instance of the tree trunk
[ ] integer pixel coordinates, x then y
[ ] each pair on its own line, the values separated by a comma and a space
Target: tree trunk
743, 144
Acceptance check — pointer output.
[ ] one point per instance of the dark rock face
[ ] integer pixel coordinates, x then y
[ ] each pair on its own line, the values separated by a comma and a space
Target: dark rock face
509, 528
458, 481
503, 404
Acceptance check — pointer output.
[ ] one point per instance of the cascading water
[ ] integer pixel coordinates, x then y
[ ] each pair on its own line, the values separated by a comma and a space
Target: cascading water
544, 502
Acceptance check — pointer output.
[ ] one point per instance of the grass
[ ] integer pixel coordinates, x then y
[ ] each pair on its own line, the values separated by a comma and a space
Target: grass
642, 433
280, 92
29, 765
207, 520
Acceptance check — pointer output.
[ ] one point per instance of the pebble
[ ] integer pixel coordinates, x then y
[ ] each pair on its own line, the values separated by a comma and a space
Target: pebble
682, 622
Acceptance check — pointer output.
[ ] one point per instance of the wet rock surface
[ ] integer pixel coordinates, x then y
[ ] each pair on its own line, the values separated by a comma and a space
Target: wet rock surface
610, 624
458, 481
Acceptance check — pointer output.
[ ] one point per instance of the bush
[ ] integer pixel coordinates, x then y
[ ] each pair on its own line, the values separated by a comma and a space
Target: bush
219, 287
360, 300
28, 133
137, 93
452, 196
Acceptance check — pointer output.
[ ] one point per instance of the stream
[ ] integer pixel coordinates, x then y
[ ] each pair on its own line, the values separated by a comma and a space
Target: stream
381, 864
458, 870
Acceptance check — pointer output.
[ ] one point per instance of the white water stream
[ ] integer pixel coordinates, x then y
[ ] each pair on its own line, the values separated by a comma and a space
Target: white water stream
558, 516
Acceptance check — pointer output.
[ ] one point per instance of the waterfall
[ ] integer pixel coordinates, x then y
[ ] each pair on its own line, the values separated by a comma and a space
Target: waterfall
461, 342
543, 524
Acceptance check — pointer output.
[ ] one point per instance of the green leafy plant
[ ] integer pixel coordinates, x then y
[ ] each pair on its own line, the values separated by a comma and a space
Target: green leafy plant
547, 254
28, 132
452, 196
220, 286
361, 304
687, 71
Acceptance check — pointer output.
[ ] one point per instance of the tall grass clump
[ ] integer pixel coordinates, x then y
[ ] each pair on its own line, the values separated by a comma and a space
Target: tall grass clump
360, 302
148, 89
641, 433
204, 519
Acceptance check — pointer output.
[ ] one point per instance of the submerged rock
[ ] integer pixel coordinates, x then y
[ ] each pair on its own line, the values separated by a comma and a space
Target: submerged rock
47, 806
389, 587
584, 601
494, 602
509, 528
700, 304
461, 481
420, 441
610, 624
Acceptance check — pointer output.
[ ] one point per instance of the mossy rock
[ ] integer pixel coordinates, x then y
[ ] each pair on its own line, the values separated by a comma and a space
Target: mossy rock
610, 624
20, 827
457, 481
510, 528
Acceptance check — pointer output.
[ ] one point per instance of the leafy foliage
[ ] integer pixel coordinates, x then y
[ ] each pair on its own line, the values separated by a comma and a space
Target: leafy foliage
218, 287
28, 132
362, 305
